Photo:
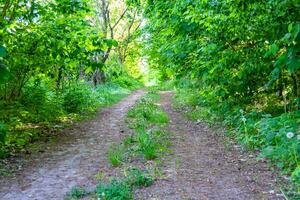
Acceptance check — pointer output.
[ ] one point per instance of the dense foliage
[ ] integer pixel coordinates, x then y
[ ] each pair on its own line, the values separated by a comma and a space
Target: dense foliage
57, 60
237, 61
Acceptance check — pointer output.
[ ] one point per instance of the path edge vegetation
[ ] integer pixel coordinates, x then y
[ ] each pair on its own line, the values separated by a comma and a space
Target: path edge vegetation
239, 127
30, 134
236, 62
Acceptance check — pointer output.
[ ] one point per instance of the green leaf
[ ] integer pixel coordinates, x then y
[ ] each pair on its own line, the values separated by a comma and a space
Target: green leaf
290, 27
274, 48
2, 51
88, 70
293, 65
295, 31
3, 132
281, 60
111, 43
5, 75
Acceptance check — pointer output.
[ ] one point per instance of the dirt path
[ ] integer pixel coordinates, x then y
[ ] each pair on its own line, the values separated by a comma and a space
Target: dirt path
201, 168
73, 160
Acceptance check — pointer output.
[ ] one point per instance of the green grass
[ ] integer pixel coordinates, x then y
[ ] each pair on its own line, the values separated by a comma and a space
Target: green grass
146, 112
118, 188
143, 117
116, 154
122, 188
147, 119
147, 144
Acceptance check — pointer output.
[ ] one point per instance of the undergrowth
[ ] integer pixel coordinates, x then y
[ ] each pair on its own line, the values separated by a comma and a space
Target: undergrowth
39, 111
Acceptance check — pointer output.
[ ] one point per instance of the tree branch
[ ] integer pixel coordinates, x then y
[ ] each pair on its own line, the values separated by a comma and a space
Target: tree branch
120, 18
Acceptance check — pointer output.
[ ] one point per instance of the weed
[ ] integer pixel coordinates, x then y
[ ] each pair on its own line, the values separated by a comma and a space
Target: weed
138, 178
145, 112
116, 189
147, 144
99, 176
122, 188
116, 154
77, 192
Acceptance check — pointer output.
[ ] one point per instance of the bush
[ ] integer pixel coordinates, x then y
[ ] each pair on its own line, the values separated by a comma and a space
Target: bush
128, 82
79, 98
111, 93
38, 103
3, 132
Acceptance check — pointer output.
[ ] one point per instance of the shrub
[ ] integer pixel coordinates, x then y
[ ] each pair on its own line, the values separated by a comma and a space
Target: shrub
128, 82
39, 103
40, 107
3, 132
110, 93
79, 98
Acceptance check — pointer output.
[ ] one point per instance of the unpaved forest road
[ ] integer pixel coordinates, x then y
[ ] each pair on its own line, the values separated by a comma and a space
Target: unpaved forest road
74, 160
200, 167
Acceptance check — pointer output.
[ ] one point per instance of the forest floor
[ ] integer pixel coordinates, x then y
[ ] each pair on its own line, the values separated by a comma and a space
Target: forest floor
200, 166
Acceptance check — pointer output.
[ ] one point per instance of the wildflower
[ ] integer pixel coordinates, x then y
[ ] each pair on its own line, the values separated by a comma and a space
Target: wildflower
241, 111
298, 137
290, 135
244, 119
